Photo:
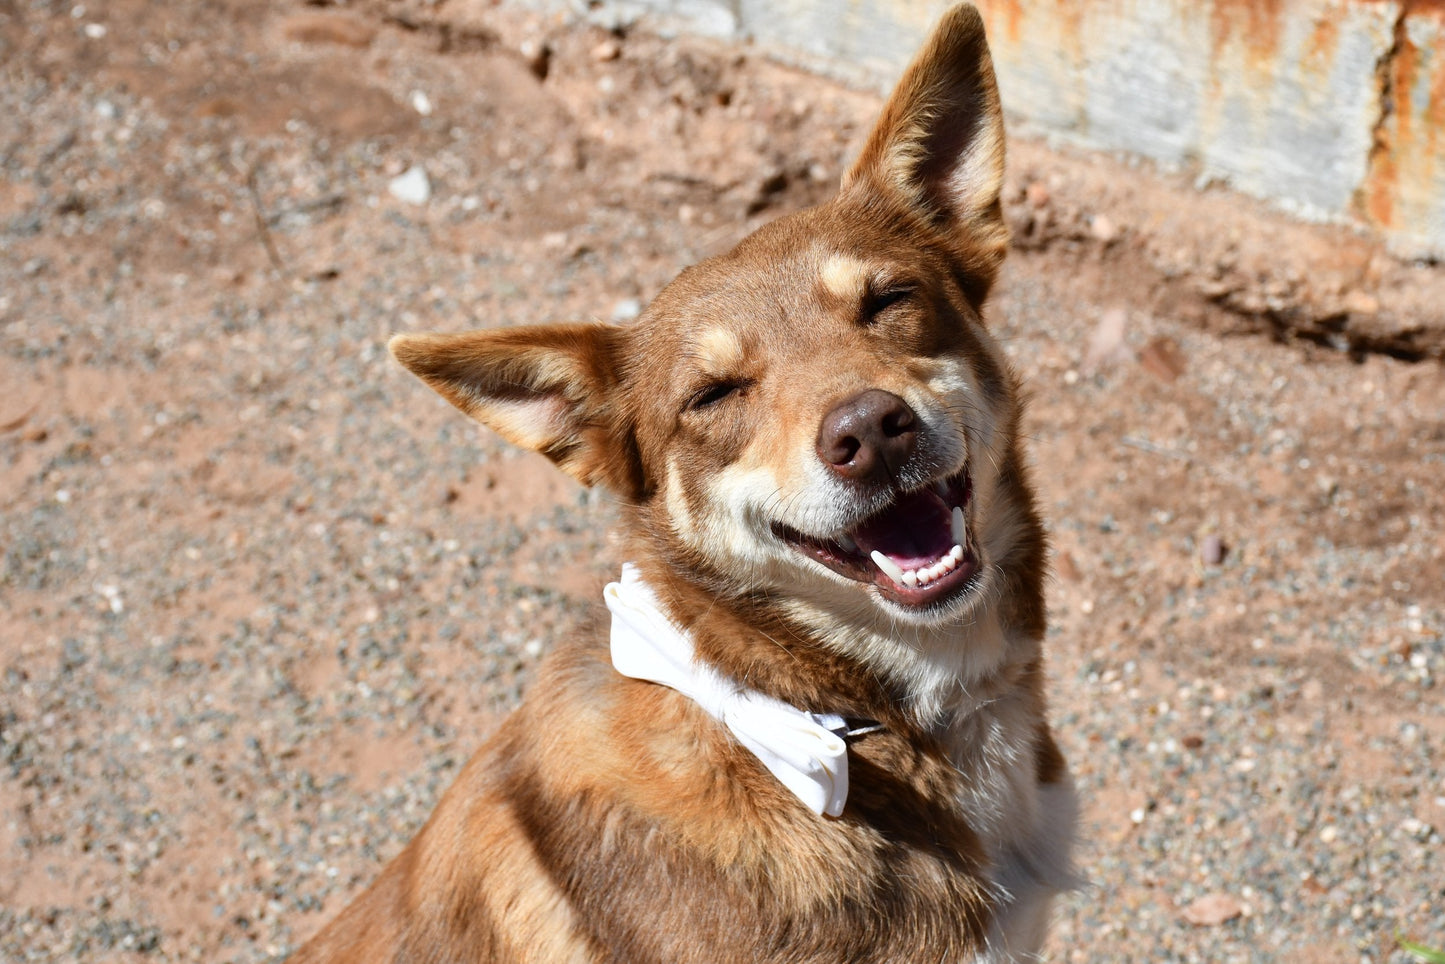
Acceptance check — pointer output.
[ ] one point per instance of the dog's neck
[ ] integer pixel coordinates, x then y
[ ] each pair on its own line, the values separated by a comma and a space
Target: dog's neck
922, 679
806, 750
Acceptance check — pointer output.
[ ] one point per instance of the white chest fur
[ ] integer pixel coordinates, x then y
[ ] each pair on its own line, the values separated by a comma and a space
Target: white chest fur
1027, 828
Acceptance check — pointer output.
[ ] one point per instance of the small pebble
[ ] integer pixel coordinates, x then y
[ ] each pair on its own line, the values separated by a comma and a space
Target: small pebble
1107, 340
537, 56
411, 186
1211, 550
1162, 359
1212, 910
1102, 229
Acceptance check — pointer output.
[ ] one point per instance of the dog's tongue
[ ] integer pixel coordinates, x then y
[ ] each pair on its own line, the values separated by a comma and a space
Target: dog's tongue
914, 532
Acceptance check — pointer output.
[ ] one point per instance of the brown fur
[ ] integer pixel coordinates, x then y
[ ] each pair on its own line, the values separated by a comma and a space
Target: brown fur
612, 820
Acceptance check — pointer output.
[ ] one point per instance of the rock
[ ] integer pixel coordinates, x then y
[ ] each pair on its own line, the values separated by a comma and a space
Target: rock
411, 186
1107, 341
1211, 550
626, 309
421, 103
1212, 910
1067, 569
537, 56
1163, 359
607, 50
327, 28
1102, 229
1037, 194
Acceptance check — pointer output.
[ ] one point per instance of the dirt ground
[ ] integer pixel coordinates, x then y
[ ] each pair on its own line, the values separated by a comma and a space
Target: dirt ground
262, 593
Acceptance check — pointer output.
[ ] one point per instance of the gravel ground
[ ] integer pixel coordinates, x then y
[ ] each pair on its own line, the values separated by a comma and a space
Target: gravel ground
262, 593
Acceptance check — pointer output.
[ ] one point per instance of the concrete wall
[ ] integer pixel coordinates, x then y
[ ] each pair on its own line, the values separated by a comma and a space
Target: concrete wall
1332, 108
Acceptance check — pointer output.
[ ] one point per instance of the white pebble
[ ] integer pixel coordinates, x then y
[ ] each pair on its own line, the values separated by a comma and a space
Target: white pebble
411, 186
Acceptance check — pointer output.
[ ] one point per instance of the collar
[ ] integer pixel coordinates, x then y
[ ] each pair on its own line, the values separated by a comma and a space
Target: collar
808, 752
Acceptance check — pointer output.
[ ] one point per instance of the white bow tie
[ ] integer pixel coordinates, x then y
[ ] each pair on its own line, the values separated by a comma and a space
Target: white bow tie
803, 750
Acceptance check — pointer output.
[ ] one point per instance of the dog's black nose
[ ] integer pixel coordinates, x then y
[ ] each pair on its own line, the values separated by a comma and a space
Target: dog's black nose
868, 437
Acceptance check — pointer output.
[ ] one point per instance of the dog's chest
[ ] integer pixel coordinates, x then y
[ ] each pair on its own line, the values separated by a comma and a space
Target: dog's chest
992, 749
1025, 828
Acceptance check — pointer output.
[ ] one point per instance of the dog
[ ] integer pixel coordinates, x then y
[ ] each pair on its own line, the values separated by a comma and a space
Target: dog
817, 731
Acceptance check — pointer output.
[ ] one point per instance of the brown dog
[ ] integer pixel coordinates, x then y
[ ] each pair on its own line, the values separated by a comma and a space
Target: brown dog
820, 734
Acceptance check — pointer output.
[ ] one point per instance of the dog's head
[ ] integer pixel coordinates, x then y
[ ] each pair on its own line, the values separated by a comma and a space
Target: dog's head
820, 414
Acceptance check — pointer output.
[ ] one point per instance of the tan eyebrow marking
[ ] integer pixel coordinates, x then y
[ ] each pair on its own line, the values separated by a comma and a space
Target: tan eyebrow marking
719, 351
844, 277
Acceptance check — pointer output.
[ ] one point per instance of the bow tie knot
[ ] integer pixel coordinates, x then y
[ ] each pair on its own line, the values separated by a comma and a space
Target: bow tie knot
801, 749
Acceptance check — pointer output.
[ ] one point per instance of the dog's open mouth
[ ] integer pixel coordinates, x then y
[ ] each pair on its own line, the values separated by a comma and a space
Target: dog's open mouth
918, 551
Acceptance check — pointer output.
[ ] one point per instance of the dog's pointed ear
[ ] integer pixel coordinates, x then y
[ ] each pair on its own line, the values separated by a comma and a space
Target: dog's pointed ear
552, 389
939, 143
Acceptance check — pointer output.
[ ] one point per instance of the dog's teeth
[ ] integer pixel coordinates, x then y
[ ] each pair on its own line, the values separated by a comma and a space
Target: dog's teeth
846, 541
948, 563
889, 567
960, 527
910, 578
956, 554
924, 577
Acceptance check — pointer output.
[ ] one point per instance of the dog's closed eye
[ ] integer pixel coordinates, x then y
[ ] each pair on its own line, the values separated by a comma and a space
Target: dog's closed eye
715, 392
876, 302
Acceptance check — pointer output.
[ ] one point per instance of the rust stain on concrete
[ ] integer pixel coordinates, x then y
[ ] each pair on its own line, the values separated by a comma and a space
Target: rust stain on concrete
1322, 89
1254, 24
1006, 17
1407, 166
1323, 44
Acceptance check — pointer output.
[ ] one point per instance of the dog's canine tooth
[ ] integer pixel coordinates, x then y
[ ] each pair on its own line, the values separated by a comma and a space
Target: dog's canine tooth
846, 541
960, 527
889, 567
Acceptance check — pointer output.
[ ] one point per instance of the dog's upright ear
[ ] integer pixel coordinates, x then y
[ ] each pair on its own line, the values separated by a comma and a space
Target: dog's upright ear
939, 144
552, 389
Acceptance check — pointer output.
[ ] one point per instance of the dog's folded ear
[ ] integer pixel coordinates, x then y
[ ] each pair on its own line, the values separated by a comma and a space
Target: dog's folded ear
547, 388
939, 143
